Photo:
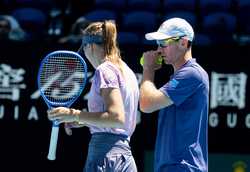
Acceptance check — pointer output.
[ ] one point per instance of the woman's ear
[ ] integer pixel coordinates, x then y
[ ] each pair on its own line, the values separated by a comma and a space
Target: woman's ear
92, 47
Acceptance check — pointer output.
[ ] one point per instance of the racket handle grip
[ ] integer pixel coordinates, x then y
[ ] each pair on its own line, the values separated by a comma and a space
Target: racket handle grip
158, 60
53, 142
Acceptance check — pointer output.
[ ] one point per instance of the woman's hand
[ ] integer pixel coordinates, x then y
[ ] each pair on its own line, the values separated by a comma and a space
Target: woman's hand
62, 114
69, 125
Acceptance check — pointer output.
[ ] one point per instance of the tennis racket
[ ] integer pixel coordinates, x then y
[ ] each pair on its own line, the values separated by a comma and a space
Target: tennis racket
61, 79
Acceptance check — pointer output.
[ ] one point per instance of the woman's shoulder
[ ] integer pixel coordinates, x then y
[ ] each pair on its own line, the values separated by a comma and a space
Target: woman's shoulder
107, 65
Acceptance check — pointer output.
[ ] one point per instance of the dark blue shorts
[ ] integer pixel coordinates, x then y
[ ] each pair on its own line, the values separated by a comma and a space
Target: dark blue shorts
109, 153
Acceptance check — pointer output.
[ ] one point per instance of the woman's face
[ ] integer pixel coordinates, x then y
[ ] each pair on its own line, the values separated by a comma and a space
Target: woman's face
93, 53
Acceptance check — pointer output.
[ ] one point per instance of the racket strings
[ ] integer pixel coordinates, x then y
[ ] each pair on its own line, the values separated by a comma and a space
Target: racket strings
62, 78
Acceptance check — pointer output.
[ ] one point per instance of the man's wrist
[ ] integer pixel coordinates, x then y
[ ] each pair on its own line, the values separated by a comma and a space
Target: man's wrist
148, 74
147, 68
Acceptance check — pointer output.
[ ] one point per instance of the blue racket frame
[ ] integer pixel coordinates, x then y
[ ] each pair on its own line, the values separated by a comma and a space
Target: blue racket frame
50, 104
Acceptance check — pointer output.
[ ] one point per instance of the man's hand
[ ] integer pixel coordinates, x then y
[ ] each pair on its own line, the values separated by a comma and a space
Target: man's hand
150, 60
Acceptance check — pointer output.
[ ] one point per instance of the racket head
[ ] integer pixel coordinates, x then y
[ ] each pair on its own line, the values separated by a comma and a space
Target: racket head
61, 78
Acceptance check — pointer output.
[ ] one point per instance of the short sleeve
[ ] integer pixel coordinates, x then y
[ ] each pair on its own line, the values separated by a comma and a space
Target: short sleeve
182, 85
106, 77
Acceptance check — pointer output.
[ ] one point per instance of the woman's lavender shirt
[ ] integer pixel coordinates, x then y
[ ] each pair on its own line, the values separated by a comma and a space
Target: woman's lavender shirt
107, 75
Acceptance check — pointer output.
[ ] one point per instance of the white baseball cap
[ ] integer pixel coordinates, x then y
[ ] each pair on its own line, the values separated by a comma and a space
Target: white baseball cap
173, 27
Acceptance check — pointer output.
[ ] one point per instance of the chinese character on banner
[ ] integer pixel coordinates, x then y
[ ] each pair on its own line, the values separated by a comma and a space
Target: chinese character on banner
11, 82
228, 90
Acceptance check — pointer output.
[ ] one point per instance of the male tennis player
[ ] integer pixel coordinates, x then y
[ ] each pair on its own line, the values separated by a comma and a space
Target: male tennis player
181, 144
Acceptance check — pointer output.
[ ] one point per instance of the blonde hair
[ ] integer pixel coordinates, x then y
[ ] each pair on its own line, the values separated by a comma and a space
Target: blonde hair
107, 30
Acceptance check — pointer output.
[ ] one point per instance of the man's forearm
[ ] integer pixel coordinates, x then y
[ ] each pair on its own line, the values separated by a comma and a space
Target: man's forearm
148, 75
146, 89
147, 84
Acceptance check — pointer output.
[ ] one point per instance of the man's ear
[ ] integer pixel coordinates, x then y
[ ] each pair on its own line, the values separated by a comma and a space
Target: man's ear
184, 43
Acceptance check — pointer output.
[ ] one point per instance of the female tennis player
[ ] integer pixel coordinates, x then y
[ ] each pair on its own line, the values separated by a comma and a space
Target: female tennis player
112, 103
